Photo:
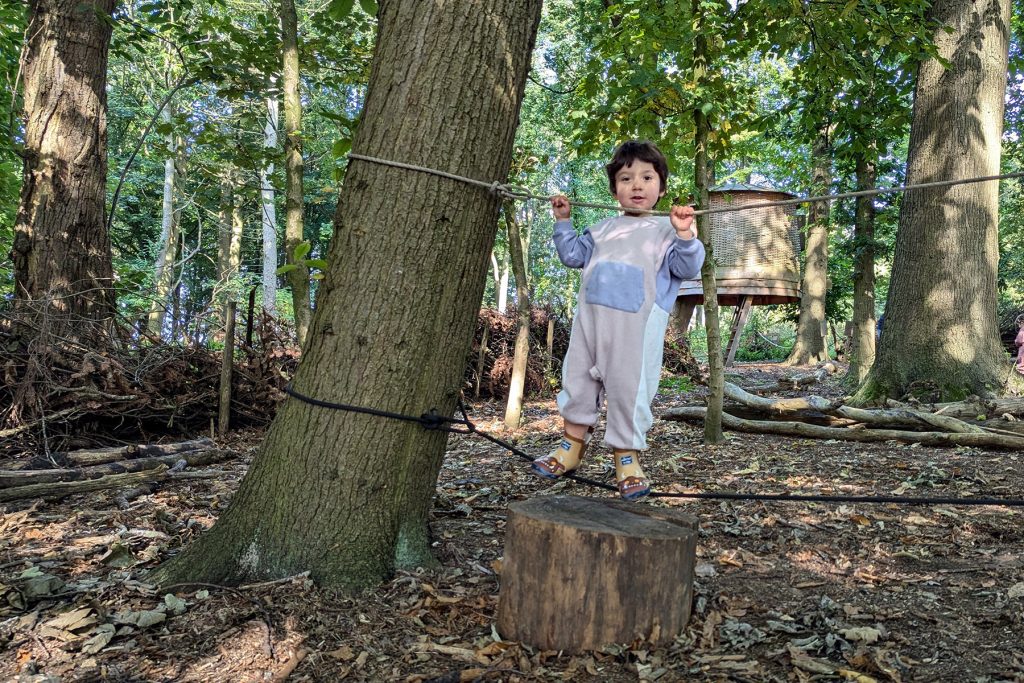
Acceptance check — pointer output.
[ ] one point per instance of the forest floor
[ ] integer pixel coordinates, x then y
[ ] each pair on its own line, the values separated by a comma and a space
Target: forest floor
783, 591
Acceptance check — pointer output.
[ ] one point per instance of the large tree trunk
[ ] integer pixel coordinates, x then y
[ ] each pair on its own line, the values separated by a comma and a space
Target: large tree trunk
940, 327
810, 347
702, 179
346, 495
298, 277
61, 247
269, 213
863, 347
521, 355
163, 278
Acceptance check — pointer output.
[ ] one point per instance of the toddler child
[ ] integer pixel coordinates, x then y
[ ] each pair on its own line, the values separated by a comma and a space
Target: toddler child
632, 269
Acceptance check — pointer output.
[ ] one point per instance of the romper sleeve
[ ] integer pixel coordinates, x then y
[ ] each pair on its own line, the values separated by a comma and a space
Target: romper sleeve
574, 250
685, 258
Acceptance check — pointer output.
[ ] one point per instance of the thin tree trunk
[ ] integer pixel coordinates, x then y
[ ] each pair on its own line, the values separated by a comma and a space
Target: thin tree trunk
269, 213
298, 278
702, 179
502, 293
863, 351
809, 347
346, 495
941, 333
61, 249
520, 357
224, 229
495, 277
163, 278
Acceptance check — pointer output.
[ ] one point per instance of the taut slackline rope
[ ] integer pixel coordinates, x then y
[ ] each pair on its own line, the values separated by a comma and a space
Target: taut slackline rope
435, 421
513, 192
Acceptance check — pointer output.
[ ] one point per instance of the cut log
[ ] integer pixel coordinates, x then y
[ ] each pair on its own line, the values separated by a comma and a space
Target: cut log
67, 488
581, 573
983, 440
99, 456
794, 382
26, 477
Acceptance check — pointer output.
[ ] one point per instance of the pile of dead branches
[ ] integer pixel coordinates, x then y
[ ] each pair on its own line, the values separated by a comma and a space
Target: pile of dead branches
981, 423
83, 384
489, 364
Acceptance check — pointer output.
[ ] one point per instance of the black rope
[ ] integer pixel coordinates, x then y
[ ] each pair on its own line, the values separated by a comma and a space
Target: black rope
435, 421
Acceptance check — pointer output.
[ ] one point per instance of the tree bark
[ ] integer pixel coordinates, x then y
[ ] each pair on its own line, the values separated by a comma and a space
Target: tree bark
581, 573
345, 495
862, 355
521, 355
298, 278
229, 251
61, 249
269, 212
163, 278
809, 347
941, 331
502, 293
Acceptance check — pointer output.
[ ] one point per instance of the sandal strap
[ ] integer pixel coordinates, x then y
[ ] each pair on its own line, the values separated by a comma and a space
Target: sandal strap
552, 464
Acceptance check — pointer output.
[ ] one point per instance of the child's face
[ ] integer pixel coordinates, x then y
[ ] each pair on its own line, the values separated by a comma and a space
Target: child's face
637, 186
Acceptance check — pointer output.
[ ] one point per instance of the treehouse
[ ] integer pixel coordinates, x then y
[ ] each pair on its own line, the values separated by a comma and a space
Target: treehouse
756, 252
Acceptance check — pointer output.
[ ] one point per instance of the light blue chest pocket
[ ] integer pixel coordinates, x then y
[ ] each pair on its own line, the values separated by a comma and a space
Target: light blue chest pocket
616, 285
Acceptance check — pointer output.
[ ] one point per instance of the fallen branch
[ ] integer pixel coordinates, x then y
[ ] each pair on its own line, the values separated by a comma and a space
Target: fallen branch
777, 405
29, 477
909, 418
62, 489
987, 407
99, 456
896, 416
4, 433
794, 382
982, 440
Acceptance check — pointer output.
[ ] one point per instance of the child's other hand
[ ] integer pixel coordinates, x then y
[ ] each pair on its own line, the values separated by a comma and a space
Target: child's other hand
682, 221
560, 207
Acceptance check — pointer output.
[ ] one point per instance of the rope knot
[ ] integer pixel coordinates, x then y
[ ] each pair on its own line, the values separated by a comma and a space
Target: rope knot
432, 419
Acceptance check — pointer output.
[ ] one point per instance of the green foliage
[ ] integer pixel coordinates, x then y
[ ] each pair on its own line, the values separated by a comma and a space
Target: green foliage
13, 18
604, 70
676, 384
299, 254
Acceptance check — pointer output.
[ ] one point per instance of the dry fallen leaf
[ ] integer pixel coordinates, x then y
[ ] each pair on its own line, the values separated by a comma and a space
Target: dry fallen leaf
862, 634
344, 653
101, 638
75, 620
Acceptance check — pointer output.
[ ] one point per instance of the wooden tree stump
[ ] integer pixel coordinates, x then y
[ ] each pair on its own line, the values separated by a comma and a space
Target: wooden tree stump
581, 573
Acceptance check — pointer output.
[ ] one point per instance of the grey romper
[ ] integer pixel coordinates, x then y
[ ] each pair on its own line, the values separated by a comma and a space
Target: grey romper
632, 269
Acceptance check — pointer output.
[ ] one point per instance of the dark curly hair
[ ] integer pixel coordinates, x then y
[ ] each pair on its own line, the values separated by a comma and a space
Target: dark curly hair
636, 150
